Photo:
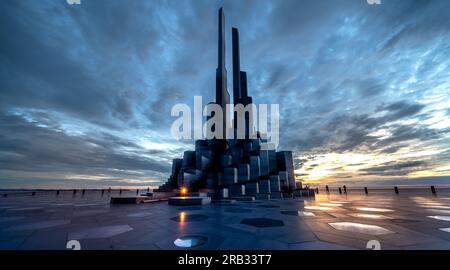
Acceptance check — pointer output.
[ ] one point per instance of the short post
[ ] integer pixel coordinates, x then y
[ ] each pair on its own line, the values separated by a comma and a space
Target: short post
327, 189
433, 190
340, 190
396, 190
345, 189
366, 190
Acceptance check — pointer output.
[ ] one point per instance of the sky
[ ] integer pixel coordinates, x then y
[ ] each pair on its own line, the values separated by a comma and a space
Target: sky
86, 90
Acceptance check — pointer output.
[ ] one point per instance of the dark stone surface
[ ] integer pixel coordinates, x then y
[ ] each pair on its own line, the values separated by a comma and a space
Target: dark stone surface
262, 222
238, 210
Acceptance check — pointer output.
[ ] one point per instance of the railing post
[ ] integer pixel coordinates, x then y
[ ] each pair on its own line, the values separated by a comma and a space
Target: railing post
433, 190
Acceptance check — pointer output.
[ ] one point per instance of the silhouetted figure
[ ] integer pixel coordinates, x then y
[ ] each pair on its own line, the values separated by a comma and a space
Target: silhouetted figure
345, 189
120, 191
396, 190
74, 192
83, 192
57, 193
103, 192
366, 190
327, 189
109, 190
137, 191
340, 190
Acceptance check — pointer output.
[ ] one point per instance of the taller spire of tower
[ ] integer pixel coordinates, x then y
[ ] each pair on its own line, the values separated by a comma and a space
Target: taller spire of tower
222, 95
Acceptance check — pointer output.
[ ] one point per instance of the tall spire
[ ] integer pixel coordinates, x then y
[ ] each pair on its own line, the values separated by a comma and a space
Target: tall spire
236, 67
222, 95
221, 50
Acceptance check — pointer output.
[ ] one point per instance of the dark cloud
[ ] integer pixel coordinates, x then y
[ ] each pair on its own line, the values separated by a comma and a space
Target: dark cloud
395, 168
27, 147
402, 109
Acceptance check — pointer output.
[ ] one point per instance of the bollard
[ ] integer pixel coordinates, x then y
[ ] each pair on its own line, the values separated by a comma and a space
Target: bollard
327, 189
366, 190
433, 190
345, 189
340, 190
396, 190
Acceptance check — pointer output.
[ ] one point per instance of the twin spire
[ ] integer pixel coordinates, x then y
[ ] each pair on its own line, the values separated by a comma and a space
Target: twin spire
240, 94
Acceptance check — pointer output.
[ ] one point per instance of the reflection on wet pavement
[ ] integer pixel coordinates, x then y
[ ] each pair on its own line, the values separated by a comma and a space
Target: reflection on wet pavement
321, 208
330, 204
190, 241
360, 228
374, 209
369, 216
444, 218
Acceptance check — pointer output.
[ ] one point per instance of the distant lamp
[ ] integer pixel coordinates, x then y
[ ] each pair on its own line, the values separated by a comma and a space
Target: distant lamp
184, 191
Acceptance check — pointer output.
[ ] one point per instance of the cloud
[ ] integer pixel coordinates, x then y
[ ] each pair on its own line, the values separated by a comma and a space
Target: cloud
394, 168
29, 147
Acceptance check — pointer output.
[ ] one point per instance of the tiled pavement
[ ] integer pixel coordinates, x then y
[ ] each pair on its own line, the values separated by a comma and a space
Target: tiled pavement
405, 221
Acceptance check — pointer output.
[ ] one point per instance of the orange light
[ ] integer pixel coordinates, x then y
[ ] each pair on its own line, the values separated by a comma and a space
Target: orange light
182, 217
184, 191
